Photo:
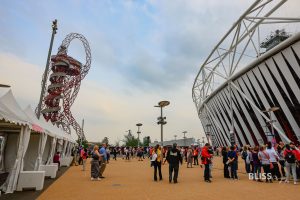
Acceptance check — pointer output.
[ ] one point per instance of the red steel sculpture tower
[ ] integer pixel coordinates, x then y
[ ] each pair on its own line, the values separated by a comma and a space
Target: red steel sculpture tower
65, 78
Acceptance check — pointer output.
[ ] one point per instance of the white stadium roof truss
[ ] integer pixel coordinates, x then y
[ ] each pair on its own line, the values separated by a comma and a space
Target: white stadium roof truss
237, 48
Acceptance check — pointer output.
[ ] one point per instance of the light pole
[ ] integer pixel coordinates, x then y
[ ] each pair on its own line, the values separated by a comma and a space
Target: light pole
44, 81
175, 136
161, 119
184, 132
139, 132
271, 110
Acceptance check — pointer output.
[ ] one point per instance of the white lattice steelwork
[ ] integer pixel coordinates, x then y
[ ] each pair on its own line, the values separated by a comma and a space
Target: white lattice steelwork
240, 46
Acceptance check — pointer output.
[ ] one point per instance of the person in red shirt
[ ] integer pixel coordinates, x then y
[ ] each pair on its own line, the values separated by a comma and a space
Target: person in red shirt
84, 156
56, 159
195, 155
206, 160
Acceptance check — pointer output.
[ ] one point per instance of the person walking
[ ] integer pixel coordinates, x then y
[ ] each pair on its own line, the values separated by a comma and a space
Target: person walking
174, 158
206, 160
156, 161
103, 161
114, 152
95, 168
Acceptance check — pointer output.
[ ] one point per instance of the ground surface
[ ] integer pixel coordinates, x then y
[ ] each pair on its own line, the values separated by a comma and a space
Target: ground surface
134, 180
30, 195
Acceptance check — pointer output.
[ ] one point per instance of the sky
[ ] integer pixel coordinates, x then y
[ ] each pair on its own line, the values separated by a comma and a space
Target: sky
143, 51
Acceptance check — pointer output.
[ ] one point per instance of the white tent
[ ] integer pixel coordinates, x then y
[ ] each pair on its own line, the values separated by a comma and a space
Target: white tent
31, 145
17, 135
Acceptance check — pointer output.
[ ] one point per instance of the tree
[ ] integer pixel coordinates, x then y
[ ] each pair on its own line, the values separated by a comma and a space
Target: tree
146, 141
105, 140
130, 141
84, 143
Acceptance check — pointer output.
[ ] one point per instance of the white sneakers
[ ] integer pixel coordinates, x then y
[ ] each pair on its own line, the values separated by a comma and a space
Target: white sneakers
95, 179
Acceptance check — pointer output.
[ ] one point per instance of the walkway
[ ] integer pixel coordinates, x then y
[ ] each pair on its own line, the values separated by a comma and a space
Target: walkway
133, 180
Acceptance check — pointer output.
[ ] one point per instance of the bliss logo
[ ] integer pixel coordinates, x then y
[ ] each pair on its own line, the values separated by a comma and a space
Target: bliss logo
253, 176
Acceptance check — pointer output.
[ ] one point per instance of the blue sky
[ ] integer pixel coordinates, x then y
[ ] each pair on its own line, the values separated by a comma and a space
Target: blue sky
142, 52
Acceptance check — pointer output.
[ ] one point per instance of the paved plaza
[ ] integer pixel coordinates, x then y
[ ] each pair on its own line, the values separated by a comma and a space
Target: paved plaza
134, 180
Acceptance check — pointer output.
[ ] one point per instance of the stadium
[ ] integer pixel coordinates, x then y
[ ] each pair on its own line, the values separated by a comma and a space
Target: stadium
248, 89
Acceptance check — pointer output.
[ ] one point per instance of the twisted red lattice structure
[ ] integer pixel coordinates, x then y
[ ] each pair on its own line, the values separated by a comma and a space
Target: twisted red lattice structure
65, 78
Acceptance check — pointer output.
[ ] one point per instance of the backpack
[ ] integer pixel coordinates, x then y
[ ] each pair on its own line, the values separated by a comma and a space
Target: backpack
244, 155
290, 157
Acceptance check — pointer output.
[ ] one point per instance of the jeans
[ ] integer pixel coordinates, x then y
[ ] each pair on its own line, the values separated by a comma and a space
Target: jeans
206, 172
247, 167
196, 160
233, 170
290, 167
157, 165
226, 172
257, 171
176, 169
267, 171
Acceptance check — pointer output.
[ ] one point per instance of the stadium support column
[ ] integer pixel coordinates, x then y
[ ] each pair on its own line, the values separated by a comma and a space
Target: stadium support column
231, 133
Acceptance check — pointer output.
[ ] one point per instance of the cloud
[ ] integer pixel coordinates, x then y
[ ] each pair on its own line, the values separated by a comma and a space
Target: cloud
142, 52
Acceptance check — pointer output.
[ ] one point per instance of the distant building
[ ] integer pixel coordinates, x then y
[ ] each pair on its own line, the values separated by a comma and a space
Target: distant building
179, 142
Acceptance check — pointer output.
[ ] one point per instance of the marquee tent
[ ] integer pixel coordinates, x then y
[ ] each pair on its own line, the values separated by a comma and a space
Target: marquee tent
23, 130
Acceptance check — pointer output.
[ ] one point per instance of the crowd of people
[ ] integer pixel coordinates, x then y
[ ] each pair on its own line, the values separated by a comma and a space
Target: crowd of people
270, 162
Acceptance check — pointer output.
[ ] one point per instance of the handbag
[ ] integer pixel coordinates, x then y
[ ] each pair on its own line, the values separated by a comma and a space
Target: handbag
268, 157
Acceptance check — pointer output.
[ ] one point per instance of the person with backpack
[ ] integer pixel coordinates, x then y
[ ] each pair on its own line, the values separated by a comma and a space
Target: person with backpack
174, 158
290, 163
245, 157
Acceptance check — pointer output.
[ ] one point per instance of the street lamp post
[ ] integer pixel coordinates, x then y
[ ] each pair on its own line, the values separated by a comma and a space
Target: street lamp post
184, 138
175, 136
271, 110
139, 132
161, 119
